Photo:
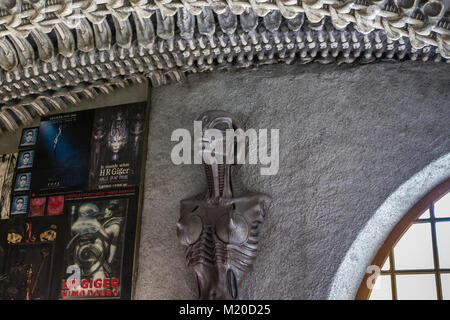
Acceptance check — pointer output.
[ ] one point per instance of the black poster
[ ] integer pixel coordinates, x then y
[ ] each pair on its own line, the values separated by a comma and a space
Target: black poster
29, 271
116, 147
30, 248
62, 156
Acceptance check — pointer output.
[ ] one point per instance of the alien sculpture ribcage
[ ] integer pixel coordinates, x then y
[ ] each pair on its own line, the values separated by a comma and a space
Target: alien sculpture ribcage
222, 242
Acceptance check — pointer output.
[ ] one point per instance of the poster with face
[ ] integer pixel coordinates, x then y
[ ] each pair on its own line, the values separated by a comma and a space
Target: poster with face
7, 166
26, 159
116, 146
19, 205
23, 181
96, 246
37, 207
29, 137
55, 205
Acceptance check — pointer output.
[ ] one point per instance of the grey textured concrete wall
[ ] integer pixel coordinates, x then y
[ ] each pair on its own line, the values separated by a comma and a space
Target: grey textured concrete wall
349, 136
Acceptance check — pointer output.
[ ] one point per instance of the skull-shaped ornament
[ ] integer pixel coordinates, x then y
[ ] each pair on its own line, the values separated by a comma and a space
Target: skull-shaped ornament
221, 230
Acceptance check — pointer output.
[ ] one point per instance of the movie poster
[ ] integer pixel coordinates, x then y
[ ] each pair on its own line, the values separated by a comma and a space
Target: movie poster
62, 155
95, 248
116, 146
7, 166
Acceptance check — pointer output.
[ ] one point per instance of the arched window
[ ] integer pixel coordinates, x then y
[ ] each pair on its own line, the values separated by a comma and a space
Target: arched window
415, 258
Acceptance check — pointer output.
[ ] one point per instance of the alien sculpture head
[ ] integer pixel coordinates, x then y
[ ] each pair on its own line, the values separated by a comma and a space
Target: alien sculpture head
221, 232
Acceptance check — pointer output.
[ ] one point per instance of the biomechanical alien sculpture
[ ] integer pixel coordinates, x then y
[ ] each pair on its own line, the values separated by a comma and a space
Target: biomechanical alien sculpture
221, 231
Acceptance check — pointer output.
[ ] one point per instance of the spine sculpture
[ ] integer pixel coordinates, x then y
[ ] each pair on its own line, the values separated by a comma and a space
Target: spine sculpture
221, 231
55, 52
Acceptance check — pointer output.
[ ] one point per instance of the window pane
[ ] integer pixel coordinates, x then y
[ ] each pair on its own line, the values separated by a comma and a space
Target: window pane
425, 215
382, 289
414, 250
416, 287
443, 240
445, 280
442, 207
386, 265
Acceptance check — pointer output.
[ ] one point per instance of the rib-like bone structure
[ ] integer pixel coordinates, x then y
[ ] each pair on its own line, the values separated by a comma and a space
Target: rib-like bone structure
422, 21
52, 52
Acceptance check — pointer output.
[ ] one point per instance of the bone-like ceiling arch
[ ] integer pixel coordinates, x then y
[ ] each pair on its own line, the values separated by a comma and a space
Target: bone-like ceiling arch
52, 52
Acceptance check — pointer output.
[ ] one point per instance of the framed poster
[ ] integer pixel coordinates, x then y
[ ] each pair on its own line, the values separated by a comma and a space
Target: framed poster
19, 204
116, 147
25, 159
62, 154
100, 244
95, 248
23, 181
29, 137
